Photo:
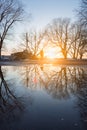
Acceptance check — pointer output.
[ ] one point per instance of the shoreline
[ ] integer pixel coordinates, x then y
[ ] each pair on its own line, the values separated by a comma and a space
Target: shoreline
45, 61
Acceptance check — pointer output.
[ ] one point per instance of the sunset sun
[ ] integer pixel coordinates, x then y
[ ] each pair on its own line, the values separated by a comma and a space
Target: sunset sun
51, 53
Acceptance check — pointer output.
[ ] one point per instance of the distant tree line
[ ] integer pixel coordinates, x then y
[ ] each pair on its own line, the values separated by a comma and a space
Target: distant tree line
70, 38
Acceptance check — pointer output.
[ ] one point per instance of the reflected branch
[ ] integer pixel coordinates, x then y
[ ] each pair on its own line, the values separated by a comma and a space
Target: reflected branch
58, 81
7, 98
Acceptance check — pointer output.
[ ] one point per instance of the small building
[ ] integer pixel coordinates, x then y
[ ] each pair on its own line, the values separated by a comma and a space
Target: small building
5, 57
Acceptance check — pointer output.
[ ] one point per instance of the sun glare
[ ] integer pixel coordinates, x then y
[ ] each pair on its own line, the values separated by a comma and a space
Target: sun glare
51, 53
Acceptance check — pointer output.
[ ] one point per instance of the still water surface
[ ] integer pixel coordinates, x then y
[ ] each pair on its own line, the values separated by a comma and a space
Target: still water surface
43, 97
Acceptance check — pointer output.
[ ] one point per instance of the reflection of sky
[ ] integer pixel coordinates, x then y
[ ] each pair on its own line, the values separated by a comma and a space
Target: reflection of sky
42, 111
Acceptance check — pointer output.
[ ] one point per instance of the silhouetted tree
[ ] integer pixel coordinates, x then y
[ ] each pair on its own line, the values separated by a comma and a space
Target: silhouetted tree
41, 53
33, 42
75, 30
10, 13
59, 34
78, 40
83, 43
82, 12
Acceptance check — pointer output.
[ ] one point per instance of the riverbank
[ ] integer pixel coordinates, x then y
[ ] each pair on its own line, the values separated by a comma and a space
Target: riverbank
46, 61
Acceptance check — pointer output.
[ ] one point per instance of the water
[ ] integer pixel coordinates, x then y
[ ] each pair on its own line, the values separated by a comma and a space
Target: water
43, 97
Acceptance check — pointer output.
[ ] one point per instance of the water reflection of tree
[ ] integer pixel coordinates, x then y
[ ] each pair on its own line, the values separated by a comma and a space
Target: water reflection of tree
82, 94
33, 76
59, 81
82, 102
67, 81
8, 101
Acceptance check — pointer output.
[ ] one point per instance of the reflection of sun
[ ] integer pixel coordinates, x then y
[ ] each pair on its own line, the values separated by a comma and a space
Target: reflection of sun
51, 53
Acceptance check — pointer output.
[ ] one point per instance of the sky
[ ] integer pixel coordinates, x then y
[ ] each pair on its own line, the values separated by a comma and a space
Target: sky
43, 11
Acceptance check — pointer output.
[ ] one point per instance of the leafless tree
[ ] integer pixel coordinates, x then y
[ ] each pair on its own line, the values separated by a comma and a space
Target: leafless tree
83, 44
82, 12
33, 42
78, 40
58, 33
75, 35
10, 13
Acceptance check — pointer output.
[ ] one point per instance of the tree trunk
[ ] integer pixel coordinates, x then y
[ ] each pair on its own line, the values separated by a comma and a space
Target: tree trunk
65, 55
81, 56
0, 53
1, 43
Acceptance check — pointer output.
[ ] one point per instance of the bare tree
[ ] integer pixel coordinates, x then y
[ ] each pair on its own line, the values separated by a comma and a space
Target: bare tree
83, 43
75, 35
83, 12
10, 13
58, 33
33, 42
78, 40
